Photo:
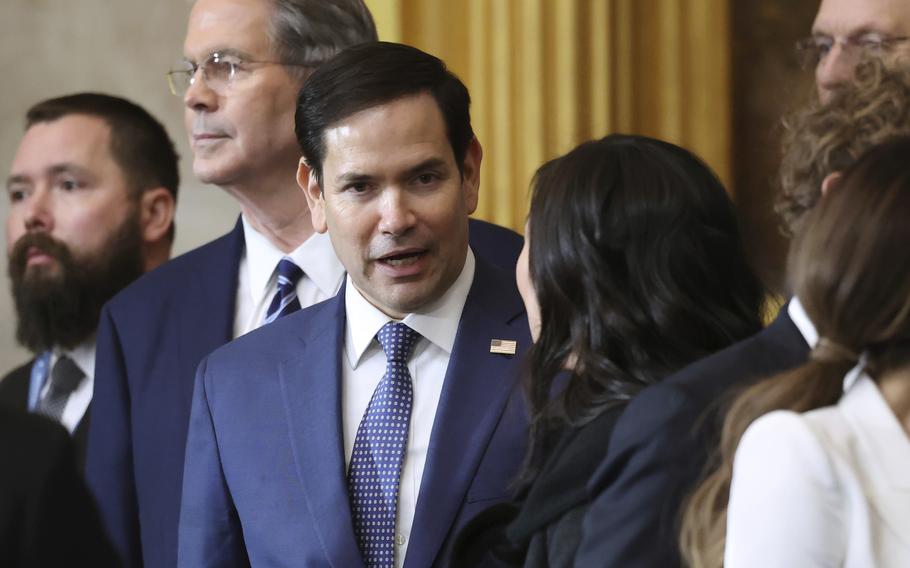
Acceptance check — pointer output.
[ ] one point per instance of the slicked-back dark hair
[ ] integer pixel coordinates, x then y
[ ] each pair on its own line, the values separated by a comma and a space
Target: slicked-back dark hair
637, 263
372, 74
139, 143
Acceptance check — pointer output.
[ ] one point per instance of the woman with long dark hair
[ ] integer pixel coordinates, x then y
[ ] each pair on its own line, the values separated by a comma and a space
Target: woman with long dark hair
814, 466
632, 268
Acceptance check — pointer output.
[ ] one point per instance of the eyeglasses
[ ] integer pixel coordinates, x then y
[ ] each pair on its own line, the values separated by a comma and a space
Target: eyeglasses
219, 71
812, 50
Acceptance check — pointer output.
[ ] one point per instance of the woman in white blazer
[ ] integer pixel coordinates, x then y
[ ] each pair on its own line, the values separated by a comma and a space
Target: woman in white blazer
814, 464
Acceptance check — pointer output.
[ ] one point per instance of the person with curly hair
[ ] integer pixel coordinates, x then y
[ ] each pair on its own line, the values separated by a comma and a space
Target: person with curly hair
824, 138
815, 460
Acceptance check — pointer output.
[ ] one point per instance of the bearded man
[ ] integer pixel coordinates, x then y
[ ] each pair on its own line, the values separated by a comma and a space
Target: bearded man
92, 192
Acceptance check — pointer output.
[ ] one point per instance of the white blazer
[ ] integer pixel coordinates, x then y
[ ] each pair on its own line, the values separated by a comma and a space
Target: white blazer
829, 487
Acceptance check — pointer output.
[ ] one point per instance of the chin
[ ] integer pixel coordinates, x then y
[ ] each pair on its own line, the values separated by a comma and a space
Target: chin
210, 173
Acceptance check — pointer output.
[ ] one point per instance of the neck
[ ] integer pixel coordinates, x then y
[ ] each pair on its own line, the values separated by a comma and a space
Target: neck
277, 208
895, 389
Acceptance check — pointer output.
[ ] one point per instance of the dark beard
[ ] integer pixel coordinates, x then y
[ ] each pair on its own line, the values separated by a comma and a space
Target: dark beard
60, 305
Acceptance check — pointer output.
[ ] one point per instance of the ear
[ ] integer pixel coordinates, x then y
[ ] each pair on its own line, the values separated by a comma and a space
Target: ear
315, 197
831, 180
157, 208
471, 174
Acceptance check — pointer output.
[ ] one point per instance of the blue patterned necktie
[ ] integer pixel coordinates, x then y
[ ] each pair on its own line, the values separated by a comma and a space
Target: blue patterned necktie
379, 448
285, 300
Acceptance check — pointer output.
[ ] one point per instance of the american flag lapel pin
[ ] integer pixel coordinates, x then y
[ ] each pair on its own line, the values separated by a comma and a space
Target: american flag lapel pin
503, 346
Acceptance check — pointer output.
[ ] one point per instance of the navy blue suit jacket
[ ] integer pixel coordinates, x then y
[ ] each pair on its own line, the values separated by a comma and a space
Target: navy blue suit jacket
265, 481
660, 446
151, 338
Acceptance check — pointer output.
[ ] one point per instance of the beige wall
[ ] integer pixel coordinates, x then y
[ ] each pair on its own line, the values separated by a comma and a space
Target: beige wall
123, 47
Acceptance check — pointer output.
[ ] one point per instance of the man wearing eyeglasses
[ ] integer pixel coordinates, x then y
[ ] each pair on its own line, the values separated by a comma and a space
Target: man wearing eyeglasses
846, 31
244, 63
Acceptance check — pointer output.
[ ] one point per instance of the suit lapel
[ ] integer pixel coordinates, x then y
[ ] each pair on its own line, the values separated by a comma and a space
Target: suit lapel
212, 296
883, 455
311, 386
477, 386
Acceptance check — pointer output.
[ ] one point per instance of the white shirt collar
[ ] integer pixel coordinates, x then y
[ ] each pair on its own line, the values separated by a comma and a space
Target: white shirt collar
801, 319
315, 256
437, 322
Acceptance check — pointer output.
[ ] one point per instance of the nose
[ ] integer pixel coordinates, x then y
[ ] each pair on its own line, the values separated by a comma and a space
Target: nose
199, 96
396, 213
833, 71
38, 212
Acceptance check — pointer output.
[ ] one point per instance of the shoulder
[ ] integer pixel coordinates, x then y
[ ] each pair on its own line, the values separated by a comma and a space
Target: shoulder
155, 288
498, 245
494, 288
14, 385
784, 445
272, 344
786, 504
36, 442
693, 392
20, 373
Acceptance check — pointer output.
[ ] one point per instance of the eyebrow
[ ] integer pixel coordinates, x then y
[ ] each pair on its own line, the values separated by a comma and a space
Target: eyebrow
860, 31
56, 169
429, 164
226, 51
16, 179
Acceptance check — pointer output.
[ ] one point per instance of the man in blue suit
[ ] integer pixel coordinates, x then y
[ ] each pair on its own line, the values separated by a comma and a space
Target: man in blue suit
240, 105
366, 430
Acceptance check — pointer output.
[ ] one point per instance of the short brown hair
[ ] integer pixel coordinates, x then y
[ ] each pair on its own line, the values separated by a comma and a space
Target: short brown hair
825, 138
139, 143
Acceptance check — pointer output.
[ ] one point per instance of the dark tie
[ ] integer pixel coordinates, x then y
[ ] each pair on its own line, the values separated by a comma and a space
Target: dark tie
379, 448
285, 300
65, 377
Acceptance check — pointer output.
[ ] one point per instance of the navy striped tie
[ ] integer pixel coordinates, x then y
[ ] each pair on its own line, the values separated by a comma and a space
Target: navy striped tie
285, 300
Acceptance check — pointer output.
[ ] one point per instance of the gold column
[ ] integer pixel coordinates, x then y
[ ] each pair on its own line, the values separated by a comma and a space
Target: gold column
545, 75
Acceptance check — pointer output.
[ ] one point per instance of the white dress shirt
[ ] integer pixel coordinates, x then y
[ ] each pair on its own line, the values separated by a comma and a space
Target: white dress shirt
83, 355
830, 487
365, 364
257, 279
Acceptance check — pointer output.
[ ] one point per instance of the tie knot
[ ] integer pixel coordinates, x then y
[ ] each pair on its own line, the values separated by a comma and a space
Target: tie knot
66, 375
397, 339
288, 272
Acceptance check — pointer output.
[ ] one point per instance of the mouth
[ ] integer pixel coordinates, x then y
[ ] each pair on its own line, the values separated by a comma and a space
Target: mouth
207, 137
405, 258
35, 256
403, 262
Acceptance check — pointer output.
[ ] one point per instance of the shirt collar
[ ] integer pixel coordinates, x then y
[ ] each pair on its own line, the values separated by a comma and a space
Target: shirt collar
437, 322
801, 319
315, 256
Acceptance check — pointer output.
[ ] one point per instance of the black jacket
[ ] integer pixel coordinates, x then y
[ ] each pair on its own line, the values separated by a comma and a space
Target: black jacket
660, 446
14, 393
543, 528
47, 517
